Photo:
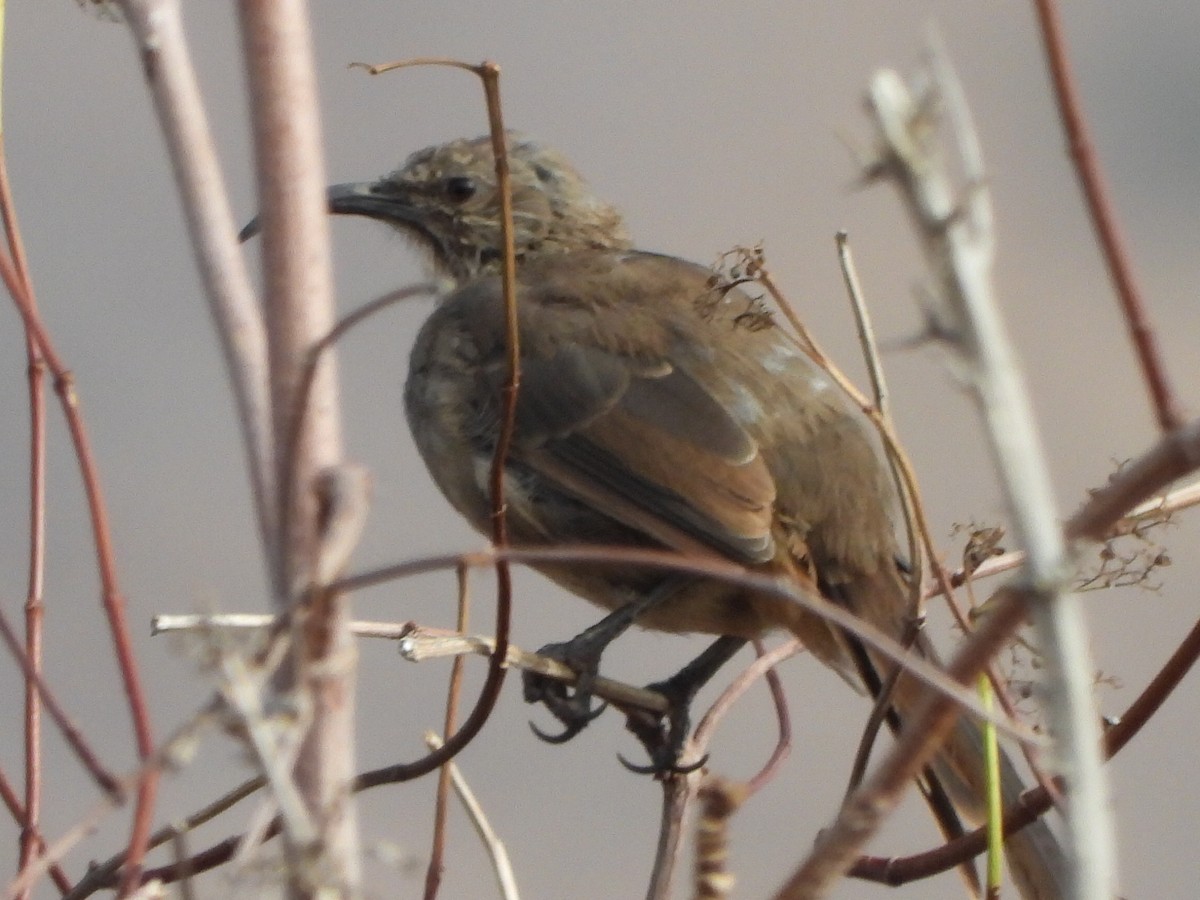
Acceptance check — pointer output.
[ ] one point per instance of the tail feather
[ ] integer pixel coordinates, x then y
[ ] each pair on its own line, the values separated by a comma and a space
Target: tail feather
1036, 860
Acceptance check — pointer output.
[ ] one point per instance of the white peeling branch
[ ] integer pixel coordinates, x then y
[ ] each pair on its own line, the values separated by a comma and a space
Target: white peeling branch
957, 236
157, 30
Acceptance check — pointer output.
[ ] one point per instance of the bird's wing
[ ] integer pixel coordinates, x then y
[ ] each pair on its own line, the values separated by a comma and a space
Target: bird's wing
649, 446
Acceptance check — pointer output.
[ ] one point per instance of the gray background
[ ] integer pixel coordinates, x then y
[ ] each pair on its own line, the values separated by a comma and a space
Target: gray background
709, 125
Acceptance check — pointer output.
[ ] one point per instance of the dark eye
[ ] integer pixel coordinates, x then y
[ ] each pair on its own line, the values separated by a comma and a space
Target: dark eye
460, 188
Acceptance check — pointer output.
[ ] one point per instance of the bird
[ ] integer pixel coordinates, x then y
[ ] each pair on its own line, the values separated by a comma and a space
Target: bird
657, 408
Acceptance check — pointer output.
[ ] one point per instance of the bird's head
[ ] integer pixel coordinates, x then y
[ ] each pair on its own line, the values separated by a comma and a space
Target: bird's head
446, 198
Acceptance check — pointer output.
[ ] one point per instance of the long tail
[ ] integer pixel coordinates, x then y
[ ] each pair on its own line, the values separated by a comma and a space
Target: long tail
1035, 859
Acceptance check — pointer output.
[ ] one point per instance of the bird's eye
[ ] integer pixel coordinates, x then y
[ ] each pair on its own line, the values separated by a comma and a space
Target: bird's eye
460, 188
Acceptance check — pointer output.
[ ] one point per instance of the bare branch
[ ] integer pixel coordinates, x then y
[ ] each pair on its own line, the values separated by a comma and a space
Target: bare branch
506, 879
157, 29
1104, 219
277, 46
958, 240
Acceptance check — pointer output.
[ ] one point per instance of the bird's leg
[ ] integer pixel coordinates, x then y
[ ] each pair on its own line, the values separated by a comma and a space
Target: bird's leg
663, 735
572, 704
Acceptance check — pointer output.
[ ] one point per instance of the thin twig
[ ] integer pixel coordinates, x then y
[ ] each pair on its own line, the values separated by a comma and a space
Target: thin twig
489, 75
1104, 218
30, 839
764, 666
707, 567
679, 790
506, 879
862, 320
103, 875
433, 872
111, 596
8, 796
103, 777
35, 578
168, 623
914, 519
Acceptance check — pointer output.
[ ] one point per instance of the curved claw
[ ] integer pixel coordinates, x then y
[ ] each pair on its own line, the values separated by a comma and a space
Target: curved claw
661, 770
568, 732
597, 712
573, 722
636, 769
572, 714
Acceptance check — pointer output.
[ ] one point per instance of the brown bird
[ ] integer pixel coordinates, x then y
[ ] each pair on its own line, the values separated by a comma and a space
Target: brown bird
652, 413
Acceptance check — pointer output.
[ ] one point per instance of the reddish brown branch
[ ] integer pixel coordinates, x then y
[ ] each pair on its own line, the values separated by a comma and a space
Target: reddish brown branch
433, 872
112, 599
489, 694
1104, 219
107, 782
783, 743
29, 832
30, 843
489, 74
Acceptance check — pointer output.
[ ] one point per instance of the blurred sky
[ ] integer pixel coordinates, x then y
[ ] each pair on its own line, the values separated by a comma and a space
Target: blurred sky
710, 125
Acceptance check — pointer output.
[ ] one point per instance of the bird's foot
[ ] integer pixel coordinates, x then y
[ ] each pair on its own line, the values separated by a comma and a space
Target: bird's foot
571, 704
663, 734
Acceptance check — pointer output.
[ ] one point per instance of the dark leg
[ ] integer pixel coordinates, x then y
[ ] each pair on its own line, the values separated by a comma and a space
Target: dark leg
572, 704
663, 736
